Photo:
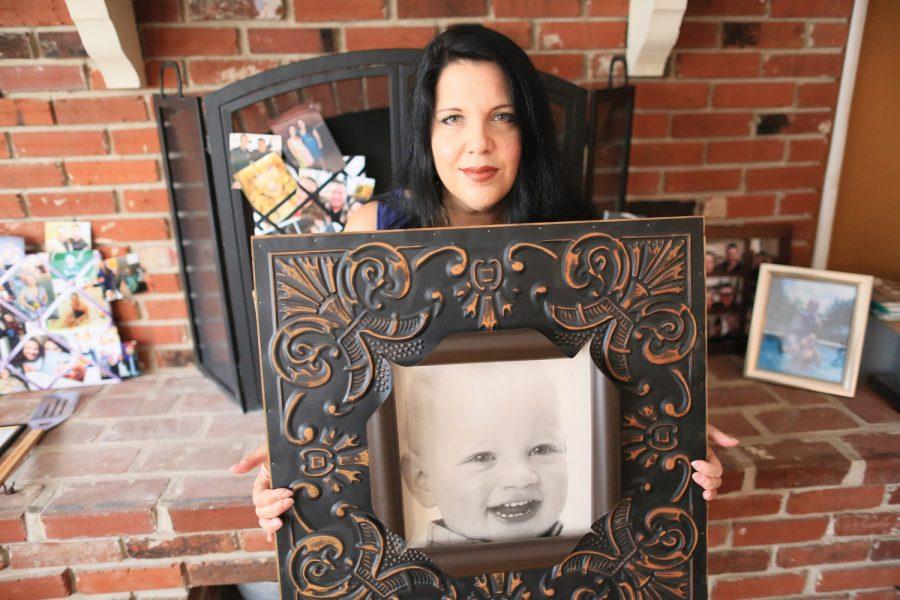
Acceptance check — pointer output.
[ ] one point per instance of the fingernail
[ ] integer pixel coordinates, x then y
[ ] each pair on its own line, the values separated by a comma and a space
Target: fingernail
696, 464
287, 502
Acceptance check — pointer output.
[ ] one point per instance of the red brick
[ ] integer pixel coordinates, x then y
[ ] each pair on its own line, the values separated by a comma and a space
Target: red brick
96, 172
795, 463
157, 11
180, 545
286, 41
708, 65
40, 78
740, 395
12, 513
78, 463
15, 45
207, 457
785, 178
754, 505
126, 579
371, 38
811, 8
711, 124
883, 523
870, 407
753, 95
798, 397
885, 594
650, 125
163, 282
698, 34
567, 66
100, 110
20, 586
27, 175
671, 153
737, 561
607, 8
154, 334
219, 72
70, 204
59, 143
210, 504
145, 200
100, 509
782, 531
95, 77
254, 540
230, 571
11, 207
125, 311
894, 498
802, 65
832, 35
425, 9
38, 12
881, 451
745, 151
666, 94
726, 8
135, 141
704, 180
61, 44
716, 535
808, 122
764, 586
790, 557
24, 111
774, 34
755, 205
817, 94
517, 31
808, 150
582, 34
792, 420
885, 549
53, 554
189, 41
537, 8
349, 10
859, 578
166, 309
799, 203
834, 499
164, 428
643, 182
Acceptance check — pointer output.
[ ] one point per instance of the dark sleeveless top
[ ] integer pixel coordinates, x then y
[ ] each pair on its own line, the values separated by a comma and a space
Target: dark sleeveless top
390, 215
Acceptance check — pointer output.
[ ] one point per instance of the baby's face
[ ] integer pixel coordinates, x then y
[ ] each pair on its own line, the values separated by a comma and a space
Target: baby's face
496, 464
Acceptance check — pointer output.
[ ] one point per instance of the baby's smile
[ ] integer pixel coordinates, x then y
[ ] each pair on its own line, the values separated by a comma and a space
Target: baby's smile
515, 512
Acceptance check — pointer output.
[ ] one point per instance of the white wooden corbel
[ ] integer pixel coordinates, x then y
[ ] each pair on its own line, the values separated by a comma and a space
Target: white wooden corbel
653, 27
109, 34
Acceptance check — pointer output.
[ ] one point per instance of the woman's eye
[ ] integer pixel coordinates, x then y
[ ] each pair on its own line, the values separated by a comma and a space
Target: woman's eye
505, 117
544, 450
451, 119
481, 458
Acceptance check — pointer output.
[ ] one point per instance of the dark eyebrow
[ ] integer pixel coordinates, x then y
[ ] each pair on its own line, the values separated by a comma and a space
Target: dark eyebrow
461, 110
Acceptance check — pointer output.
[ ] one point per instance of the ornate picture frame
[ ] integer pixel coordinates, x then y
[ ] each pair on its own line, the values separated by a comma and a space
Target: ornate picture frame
335, 310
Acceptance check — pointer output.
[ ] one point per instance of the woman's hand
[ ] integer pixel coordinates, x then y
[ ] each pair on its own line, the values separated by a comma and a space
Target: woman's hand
708, 473
269, 503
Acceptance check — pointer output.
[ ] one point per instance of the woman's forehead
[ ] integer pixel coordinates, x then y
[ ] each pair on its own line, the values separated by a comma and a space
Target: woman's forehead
468, 83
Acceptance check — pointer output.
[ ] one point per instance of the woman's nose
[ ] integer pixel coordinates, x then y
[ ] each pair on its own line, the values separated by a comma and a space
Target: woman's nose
479, 141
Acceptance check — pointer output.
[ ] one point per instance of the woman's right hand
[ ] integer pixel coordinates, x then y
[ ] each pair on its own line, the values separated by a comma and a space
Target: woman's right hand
269, 503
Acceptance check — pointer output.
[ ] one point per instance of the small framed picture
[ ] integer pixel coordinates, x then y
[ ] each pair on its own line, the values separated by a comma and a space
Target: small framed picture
807, 328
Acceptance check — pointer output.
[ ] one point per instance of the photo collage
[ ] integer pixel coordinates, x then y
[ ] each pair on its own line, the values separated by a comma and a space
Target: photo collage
296, 179
56, 325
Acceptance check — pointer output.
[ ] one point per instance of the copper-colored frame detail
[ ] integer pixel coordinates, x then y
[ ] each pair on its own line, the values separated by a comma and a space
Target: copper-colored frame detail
333, 310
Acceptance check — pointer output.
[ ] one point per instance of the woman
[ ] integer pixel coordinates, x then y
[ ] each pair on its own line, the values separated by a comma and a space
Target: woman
482, 151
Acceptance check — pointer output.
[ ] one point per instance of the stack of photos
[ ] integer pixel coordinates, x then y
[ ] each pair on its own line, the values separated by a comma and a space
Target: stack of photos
56, 327
307, 140
339, 193
732, 270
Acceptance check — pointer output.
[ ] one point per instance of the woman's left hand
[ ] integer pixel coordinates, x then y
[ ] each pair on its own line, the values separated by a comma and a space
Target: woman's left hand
708, 473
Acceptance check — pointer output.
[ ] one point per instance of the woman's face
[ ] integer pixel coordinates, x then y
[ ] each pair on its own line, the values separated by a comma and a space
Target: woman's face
474, 138
31, 350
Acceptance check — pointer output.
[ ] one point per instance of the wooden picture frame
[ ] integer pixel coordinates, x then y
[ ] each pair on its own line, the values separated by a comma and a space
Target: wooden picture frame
334, 311
803, 344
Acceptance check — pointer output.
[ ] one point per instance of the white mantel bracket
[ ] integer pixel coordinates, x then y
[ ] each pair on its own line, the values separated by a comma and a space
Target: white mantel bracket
653, 27
109, 34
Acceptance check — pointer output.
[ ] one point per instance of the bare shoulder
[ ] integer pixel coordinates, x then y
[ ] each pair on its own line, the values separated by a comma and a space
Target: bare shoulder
365, 219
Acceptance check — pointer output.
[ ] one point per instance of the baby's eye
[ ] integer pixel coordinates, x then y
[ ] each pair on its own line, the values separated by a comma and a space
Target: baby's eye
505, 117
544, 450
481, 458
451, 119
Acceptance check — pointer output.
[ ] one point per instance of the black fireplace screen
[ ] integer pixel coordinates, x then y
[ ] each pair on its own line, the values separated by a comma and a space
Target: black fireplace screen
363, 97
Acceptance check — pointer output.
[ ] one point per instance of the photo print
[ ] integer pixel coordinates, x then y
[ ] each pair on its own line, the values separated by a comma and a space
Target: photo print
495, 451
12, 250
268, 187
26, 289
308, 144
245, 149
121, 277
67, 236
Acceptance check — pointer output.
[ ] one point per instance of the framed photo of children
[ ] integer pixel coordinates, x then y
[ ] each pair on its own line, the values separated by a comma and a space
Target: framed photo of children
808, 327
510, 473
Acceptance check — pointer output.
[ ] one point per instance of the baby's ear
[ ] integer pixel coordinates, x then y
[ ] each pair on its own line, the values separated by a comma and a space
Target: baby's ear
416, 478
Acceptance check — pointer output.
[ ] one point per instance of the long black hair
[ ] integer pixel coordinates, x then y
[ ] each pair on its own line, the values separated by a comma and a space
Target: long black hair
543, 190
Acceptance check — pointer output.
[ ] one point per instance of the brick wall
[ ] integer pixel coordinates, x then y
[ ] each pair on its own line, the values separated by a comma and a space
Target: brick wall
740, 122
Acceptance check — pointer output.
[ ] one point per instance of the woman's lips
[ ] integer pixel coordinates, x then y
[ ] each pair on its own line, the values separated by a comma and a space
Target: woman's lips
515, 512
480, 174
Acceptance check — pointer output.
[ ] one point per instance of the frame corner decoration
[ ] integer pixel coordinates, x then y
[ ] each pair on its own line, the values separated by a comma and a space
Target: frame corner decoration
335, 310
